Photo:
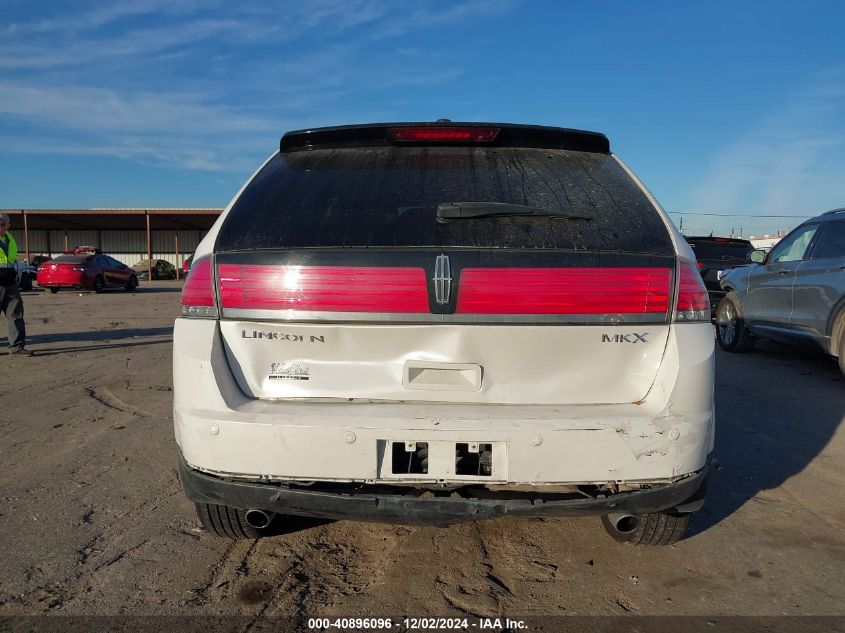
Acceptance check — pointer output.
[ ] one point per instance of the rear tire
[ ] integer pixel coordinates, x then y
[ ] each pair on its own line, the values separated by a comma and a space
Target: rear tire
226, 522
54, 290
99, 284
731, 332
26, 282
655, 528
133, 283
842, 353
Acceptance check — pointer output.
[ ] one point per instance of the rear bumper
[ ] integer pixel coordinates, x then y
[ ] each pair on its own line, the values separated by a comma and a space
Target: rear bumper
222, 432
64, 281
685, 495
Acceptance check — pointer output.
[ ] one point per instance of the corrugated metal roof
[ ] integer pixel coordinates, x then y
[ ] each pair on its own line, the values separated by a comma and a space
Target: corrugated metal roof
113, 219
89, 212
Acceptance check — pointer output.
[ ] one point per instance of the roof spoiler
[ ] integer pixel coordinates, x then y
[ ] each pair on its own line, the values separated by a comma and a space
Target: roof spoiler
383, 135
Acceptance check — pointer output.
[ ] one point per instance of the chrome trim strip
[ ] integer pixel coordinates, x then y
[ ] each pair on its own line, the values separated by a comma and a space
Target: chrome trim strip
296, 316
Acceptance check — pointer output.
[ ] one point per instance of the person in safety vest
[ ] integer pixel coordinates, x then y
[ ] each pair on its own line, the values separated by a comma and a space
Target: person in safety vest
10, 295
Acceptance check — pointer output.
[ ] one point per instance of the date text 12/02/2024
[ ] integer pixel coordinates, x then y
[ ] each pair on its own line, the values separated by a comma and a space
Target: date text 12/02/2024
417, 624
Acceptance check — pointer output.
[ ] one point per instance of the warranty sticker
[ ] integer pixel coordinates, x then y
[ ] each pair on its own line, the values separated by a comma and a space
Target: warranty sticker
289, 371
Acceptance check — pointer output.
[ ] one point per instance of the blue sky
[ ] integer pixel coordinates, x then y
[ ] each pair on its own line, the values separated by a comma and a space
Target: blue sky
720, 107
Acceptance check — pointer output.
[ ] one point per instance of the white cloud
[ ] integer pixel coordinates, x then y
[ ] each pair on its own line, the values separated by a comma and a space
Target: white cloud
190, 153
137, 43
786, 164
162, 81
98, 16
182, 130
89, 109
428, 17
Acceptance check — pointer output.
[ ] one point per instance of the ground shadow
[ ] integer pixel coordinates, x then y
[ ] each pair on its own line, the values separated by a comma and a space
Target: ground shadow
289, 523
153, 289
100, 335
52, 351
126, 337
776, 410
141, 289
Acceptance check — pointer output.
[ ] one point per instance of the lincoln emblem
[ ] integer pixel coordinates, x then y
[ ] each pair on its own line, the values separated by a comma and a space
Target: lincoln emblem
442, 279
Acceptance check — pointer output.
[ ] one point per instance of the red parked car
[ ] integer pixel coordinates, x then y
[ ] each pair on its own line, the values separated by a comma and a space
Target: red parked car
86, 268
186, 266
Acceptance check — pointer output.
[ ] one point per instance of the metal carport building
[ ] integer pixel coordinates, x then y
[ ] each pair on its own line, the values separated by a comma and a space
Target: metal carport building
128, 235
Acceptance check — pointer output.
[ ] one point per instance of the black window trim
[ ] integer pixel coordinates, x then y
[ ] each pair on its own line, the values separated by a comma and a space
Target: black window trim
817, 239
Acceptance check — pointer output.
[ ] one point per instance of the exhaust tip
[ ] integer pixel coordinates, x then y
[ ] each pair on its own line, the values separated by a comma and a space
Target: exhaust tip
257, 518
625, 523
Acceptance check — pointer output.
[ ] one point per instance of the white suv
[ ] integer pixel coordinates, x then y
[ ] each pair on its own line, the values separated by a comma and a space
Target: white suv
428, 323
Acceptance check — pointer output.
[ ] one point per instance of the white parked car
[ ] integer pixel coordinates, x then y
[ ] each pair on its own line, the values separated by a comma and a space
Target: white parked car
434, 323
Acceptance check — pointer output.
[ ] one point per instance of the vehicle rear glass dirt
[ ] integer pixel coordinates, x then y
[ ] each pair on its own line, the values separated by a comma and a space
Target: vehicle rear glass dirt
721, 250
388, 197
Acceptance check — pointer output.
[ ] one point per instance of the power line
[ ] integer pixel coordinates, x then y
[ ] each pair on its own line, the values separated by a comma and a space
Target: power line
736, 215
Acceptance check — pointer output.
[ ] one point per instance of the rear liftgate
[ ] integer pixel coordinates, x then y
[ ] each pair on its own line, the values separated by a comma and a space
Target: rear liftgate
405, 297
324, 331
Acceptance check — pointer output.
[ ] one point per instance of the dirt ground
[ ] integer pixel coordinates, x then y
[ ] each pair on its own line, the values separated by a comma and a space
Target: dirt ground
93, 519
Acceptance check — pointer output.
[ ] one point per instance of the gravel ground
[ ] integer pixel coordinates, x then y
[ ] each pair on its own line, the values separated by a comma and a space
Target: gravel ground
94, 521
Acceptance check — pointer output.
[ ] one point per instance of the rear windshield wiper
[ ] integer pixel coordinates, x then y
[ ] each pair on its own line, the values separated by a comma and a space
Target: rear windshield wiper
463, 210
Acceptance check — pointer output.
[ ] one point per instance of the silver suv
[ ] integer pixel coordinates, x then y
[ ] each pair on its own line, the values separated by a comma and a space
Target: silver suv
432, 323
793, 294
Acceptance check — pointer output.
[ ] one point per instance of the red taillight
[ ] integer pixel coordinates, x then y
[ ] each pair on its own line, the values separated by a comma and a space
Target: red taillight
323, 288
444, 134
564, 291
693, 302
198, 291
700, 265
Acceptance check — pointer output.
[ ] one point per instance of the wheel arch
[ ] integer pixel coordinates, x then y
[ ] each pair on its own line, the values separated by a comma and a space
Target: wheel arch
732, 293
836, 326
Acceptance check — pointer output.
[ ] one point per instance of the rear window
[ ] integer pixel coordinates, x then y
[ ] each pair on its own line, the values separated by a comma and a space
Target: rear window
71, 259
387, 197
721, 250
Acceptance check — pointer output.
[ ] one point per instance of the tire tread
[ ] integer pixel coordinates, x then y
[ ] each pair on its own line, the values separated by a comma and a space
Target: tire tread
744, 340
656, 528
225, 522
